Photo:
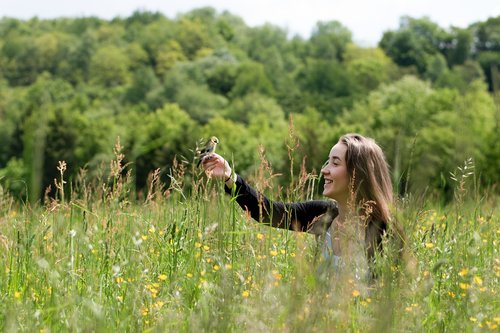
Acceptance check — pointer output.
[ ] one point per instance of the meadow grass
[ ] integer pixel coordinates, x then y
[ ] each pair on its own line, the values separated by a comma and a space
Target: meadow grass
187, 258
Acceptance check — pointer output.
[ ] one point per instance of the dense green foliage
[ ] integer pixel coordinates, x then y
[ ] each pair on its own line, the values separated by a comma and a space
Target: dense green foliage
70, 86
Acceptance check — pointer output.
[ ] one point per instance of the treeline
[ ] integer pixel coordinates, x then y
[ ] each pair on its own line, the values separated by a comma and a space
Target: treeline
70, 86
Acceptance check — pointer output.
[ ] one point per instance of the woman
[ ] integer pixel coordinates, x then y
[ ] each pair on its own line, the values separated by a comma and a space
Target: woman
356, 177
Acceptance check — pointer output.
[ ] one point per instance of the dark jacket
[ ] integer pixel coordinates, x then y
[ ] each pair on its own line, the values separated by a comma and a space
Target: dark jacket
314, 216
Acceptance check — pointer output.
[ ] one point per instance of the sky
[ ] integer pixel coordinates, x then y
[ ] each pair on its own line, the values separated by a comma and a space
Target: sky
366, 19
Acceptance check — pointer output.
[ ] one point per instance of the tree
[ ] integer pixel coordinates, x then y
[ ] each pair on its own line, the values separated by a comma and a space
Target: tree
264, 38
413, 42
185, 84
267, 124
251, 78
329, 40
327, 86
241, 110
221, 78
142, 18
425, 133
490, 63
199, 102
109, 66
435, 67
488, 35
12, 113
220, 70
458, 46
168, 56
144, 80
157, 138
487, 49
13, 178
316, 138
192, 36
21, 67
392, 114
369, 67
153, 36
461, 76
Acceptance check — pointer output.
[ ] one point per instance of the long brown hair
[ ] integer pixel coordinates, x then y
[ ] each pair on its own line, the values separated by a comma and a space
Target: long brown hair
372, 190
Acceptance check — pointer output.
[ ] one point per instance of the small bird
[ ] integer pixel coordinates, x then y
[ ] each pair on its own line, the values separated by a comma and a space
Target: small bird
208, 149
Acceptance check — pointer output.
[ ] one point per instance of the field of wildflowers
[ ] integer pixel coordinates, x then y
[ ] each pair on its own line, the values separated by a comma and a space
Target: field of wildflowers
188, 259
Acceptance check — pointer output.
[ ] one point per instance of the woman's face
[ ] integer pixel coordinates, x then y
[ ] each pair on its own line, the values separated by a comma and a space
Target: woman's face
335, 173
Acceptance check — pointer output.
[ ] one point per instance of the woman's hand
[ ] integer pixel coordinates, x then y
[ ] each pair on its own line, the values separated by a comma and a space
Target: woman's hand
216, 166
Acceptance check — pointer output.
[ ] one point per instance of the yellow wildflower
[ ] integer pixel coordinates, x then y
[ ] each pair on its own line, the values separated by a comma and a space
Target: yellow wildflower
245, 293
355, 293
277, 275
260, 236
491, 325
464, 286
463, 272
477, 280
162, 277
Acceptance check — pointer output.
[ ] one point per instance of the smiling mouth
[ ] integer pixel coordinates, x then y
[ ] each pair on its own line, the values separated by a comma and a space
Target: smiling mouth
328, 181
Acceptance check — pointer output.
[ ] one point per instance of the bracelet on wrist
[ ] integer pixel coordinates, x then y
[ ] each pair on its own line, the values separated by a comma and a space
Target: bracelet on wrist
227, 178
